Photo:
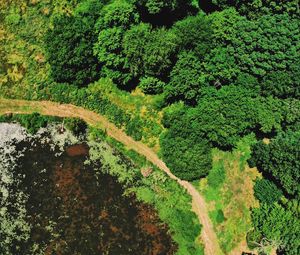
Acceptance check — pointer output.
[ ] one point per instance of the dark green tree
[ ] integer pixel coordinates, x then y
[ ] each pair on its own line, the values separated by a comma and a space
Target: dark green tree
151, 85
76, 125
194, 33
188, 159
69, 50
187, 153
256, 8
163, 12
186, 79
115, 18
270, 44
281, 159
282, 84
266, 191
277, 226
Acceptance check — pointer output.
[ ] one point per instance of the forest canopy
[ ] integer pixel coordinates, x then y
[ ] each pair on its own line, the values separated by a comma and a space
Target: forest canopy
212, 72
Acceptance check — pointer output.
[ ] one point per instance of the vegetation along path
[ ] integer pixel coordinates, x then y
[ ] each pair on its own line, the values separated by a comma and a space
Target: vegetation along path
208, 234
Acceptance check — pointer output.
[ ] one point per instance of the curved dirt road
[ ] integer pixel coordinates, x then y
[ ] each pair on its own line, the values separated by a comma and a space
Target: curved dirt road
208, 235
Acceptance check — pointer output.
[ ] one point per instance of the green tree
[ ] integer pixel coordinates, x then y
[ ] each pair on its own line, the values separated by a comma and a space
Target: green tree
281, 159
248, 81
134, 44
118, 13
186, 79
160, 53
256, 8
115, 18
274, 223
221, 66
269, 44
69, 48
194, 33
150, 52
223, 24
109, 52
291, 114
223, 116
90, 9
188, 159
266, 191
266, 49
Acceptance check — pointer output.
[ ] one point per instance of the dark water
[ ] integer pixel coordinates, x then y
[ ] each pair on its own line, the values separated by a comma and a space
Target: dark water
73, 212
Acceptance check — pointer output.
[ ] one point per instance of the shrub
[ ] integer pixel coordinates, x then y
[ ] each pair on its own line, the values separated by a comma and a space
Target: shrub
220, 216
216, 176
151, 85
32, 122
134, 128
13, 19
76, 125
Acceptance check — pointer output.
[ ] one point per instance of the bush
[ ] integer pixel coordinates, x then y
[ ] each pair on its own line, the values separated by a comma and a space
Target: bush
151, 85
134, 128
220, 216
216, 176
13, 19
76, 125
32, 122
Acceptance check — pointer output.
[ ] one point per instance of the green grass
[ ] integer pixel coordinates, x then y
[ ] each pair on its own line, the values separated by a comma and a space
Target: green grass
230, 195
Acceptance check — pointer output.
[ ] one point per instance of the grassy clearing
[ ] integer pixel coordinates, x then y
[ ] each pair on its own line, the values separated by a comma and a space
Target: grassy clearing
228, 190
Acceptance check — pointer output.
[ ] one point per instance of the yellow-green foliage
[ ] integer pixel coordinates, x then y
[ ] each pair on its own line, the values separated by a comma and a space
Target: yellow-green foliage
228, 189
23, 66
135, 104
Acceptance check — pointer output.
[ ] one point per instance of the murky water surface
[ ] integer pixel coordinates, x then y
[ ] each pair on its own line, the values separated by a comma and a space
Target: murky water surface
74, 210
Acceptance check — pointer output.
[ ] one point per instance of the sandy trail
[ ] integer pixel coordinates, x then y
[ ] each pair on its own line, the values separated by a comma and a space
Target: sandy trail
208, 235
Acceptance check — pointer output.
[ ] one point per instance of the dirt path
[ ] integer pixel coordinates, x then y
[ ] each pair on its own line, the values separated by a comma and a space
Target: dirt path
208, 235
